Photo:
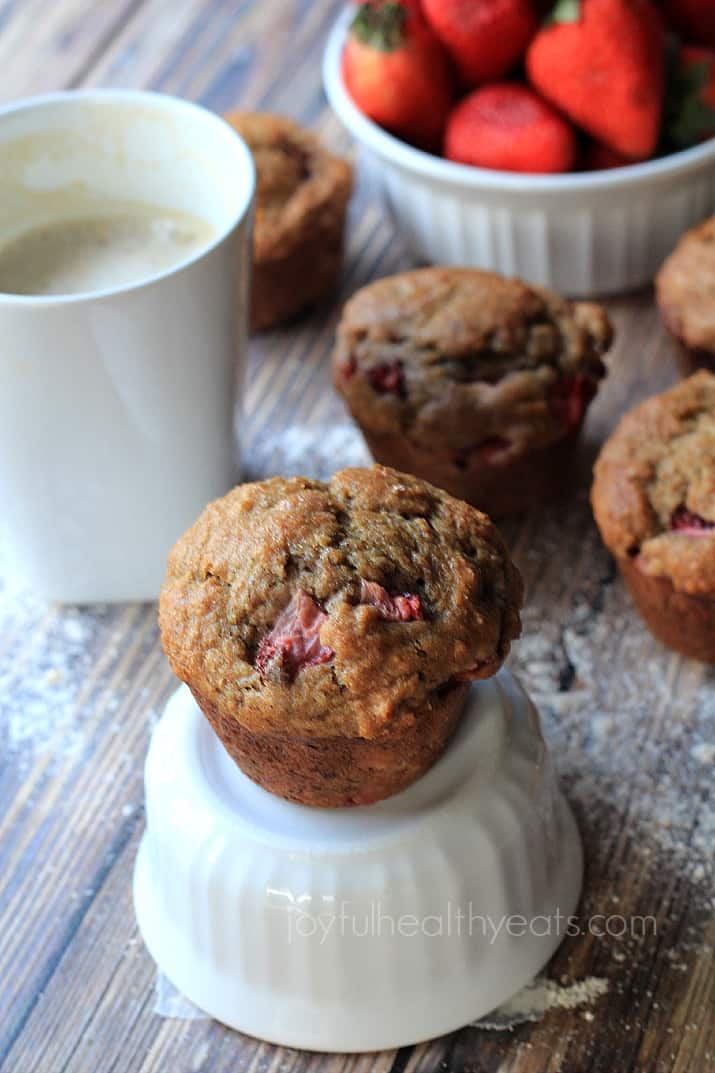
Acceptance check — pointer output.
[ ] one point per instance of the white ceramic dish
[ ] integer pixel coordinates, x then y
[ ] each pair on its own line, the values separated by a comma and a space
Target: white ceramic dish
582, 234
117, 406
338, 929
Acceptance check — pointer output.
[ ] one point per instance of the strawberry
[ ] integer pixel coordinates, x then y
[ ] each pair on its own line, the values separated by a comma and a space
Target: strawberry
693, 19
508, 126
397, 72
602, 62
690, 100
484, 37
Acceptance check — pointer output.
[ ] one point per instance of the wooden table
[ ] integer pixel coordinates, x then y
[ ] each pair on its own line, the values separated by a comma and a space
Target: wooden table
631, 725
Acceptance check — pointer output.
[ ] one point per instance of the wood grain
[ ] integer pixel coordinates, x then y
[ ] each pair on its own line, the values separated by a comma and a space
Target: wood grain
81, 688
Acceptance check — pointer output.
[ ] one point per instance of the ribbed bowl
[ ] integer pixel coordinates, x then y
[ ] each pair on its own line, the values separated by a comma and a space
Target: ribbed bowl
364, 928
586, 234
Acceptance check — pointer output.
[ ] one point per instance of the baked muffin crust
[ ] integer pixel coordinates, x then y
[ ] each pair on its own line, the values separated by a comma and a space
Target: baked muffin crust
465, 360
339, 610
301, 200
654, 488
296, 179
685, 289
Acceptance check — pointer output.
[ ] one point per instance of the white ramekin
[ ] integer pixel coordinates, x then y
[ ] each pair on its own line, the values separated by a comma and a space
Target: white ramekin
593, 233
340, 929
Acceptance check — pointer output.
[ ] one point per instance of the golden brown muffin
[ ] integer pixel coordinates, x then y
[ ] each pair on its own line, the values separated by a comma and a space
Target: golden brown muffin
654, 501
329, 631
474, 382
301, 201
685, 292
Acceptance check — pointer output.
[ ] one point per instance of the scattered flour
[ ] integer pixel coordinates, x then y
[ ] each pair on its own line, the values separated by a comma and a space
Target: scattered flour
308, 451
529, 1004
703, 753
169, 1002
47, 654
76, 629
631, 727
541, 995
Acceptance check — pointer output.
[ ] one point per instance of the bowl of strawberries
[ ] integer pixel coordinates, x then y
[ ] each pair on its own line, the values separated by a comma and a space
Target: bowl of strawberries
569, 143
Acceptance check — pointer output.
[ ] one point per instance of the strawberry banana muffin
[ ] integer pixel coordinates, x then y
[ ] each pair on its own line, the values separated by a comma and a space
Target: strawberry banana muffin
477, 383
301, 201
329, 632
685, 292
654, 502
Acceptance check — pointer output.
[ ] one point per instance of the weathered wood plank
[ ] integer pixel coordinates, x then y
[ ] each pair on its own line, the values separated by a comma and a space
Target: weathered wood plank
622, 714
45, 47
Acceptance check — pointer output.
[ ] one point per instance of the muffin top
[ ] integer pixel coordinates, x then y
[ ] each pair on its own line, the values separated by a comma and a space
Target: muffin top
654, 489
685, 288
296, 179
345, 608
468, 358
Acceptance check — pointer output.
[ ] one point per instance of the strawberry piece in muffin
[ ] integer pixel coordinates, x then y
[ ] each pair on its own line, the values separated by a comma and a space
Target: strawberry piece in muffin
570, 398
388, 378
406, 607
687, 521
294, 641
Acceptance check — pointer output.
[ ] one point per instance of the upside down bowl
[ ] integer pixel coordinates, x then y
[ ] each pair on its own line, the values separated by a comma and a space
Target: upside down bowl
363, 928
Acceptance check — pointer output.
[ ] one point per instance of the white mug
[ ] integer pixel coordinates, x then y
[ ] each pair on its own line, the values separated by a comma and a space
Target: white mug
117, 407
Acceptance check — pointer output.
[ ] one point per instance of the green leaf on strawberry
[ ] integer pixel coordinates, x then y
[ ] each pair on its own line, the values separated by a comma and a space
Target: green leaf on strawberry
566, 11
695, 119
381, 27
690, 99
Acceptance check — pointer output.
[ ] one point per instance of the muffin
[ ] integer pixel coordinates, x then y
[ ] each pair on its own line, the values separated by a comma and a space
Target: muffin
685, 292
329, 632
301, 200
654, 502
474, 382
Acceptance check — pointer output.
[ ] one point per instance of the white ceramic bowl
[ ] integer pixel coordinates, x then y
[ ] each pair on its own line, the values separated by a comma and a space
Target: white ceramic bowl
585, 234
340, 929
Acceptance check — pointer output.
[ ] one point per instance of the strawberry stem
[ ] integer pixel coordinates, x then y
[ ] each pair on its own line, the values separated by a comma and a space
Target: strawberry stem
380, 25
566, 11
